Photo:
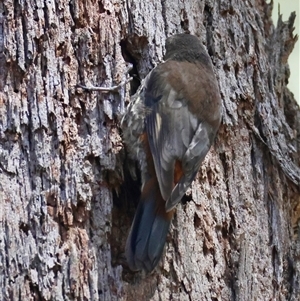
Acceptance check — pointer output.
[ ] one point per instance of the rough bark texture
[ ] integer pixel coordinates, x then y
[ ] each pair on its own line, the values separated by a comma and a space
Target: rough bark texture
64, 199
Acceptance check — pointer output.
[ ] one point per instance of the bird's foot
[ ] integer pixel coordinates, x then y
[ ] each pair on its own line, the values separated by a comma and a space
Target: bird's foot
113, 89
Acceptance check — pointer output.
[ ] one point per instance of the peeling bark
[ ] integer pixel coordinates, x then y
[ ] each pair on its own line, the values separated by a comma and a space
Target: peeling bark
66, 197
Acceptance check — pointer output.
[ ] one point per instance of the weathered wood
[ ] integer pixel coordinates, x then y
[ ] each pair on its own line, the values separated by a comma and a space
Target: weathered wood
64, 210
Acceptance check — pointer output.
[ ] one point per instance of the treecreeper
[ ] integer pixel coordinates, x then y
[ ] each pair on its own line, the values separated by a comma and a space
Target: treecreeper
170, 125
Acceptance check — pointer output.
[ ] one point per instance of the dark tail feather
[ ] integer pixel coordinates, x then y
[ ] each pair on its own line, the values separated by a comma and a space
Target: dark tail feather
147, 237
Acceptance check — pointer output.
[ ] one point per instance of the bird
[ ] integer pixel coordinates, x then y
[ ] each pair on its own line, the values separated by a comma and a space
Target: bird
168, 128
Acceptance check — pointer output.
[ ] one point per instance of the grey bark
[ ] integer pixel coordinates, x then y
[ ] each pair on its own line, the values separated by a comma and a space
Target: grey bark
63, 218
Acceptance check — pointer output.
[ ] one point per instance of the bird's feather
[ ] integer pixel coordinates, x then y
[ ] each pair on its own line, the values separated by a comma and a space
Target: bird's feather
174, 132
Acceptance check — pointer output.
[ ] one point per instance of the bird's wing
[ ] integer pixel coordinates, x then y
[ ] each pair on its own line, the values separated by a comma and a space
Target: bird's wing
178, 140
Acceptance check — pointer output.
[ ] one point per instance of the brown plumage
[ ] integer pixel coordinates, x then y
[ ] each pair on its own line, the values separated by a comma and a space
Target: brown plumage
169, 127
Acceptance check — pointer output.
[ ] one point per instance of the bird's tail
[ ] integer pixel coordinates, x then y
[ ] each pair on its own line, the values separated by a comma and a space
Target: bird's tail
147, 237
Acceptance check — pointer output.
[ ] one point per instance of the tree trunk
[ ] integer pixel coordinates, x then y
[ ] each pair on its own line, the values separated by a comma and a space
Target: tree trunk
66, 198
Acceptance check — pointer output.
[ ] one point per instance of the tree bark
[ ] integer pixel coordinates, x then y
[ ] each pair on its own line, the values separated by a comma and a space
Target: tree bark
66, 199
